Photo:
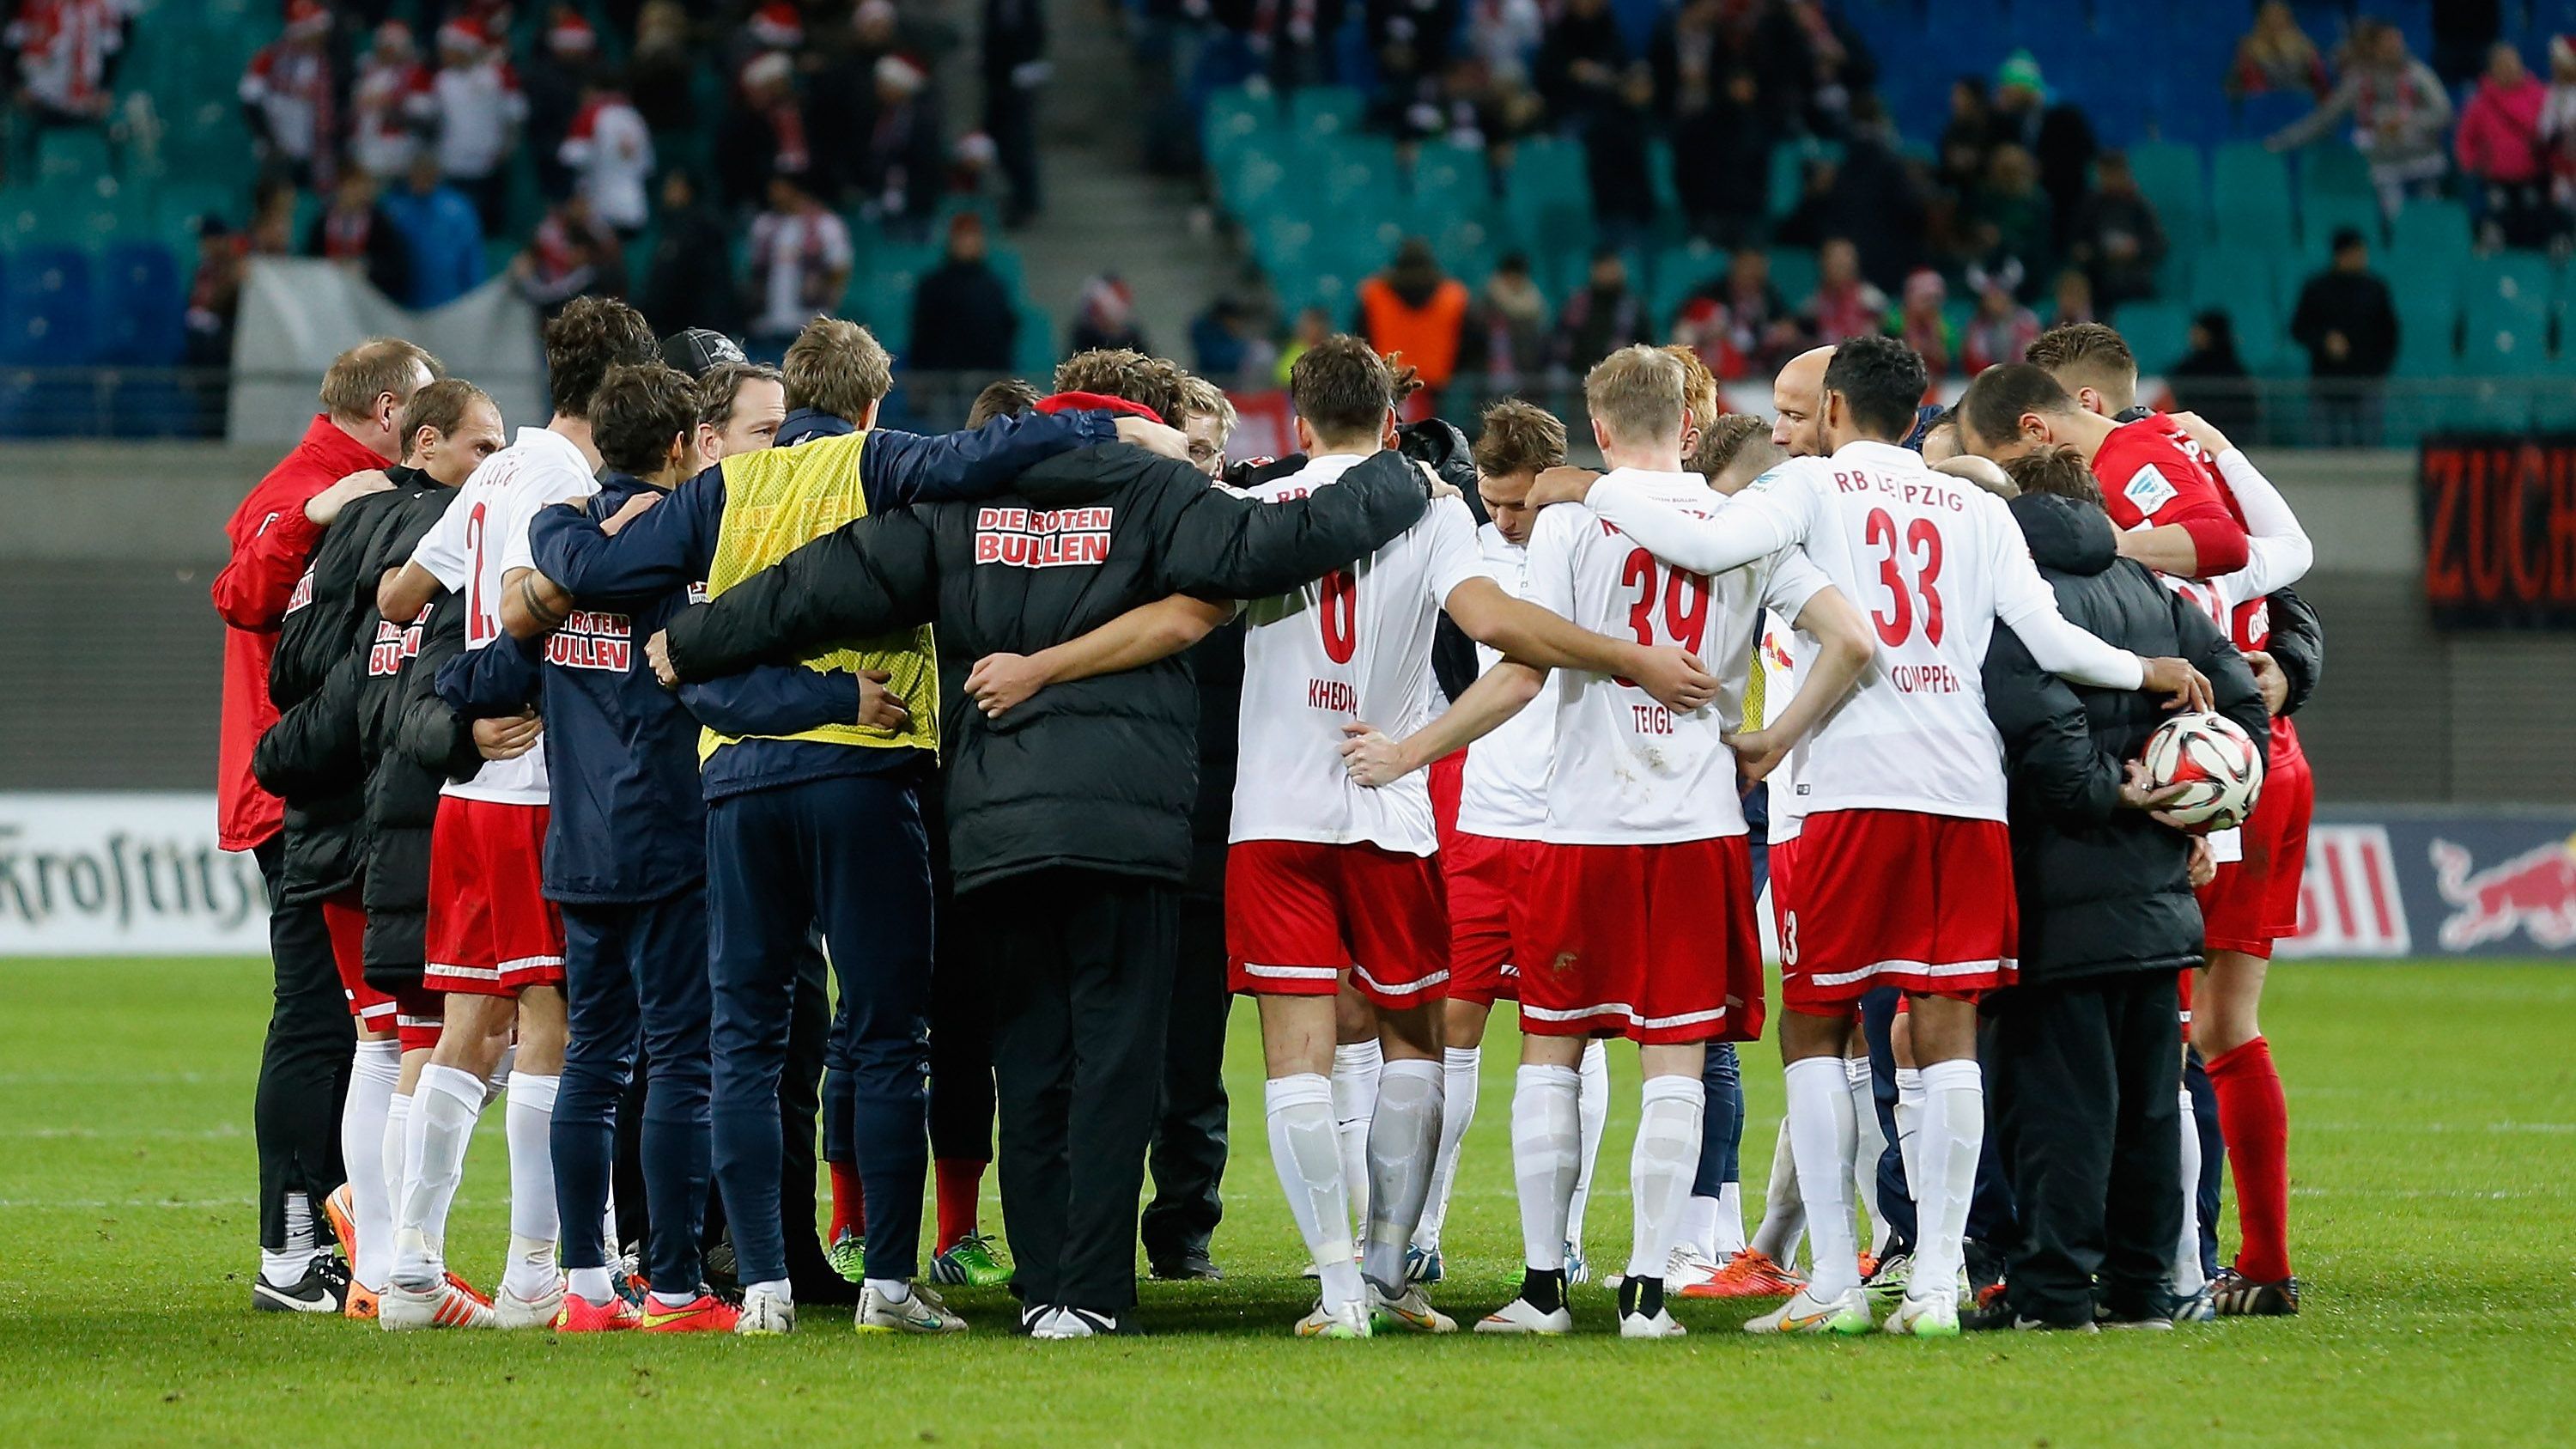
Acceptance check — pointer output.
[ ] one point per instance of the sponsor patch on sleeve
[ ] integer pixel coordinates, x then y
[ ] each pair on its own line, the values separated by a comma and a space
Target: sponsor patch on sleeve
2149, 489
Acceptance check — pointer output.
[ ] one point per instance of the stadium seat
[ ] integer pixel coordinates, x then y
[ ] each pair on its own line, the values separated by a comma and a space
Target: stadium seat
2169, 174
1236, 118
2433, 233
73, 155
2329, 170
2505, 337
1323, 113
142, 311
2321, 216
2513, 278
45, 316
2159, 333
1793, 271
2250, 197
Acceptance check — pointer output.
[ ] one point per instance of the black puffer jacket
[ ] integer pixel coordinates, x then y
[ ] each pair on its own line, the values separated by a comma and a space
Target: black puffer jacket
410, 744
309, 758
2102, 889
1099, 774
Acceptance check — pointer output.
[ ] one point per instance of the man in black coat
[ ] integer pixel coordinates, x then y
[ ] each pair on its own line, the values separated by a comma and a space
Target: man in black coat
1069, 818
962, 317
2083, 1057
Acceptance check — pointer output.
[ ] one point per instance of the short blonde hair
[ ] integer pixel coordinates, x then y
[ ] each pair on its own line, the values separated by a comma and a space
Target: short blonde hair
1638, 394
1201, 398
836, 367
373, 368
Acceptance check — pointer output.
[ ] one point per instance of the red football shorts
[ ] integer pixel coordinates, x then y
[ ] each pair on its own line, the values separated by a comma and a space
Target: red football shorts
2255, 901
2184, 994
1299, 913
492, 932
1488, 880
1783, 857
1448, 782
346, 920
1923, 903
420, 1015
1655, 943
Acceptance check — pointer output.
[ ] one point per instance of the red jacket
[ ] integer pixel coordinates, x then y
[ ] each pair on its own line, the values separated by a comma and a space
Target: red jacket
272, 541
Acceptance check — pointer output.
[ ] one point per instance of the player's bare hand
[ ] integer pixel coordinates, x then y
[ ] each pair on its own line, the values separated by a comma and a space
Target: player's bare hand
2269, 681
2204, 864
506, 737
879, 709
324, 507
657, 652
2211, 440
2184, 687
1675, 677
1433, 487
1986, 473
1374, 760
1153, 437
1001, 683
1562, 485
1757, 754
633, 509
2137, 792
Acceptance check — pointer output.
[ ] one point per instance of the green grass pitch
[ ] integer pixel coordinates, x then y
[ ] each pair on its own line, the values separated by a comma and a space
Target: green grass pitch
2434, 1219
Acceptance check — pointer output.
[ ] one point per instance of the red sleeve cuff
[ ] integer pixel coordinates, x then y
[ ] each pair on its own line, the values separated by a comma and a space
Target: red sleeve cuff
2218, 544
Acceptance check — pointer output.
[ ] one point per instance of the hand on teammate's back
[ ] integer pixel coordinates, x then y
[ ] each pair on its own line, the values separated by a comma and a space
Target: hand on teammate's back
1676, 678
1373, 760
1757, 754
1434, 485
879, 709
2269, 681
1001, 683
2185, 688
1562, 484
1154, 437
2211, 440
632, 509
324, 507
507, 737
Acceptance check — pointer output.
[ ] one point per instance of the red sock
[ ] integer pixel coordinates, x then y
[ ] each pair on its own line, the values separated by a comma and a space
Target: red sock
961, 1183
2255, 1119
849, 1207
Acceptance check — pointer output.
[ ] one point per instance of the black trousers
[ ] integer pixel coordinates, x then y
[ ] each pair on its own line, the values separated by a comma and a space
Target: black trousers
1079, 964
1189, 1147
2083, 1079
304, 1063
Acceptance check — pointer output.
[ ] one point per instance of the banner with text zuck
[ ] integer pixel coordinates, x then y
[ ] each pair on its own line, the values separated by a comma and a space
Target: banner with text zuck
115, 874
2499, 515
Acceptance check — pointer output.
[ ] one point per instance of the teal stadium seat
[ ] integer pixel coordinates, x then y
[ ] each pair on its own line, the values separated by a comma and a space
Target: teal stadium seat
2170, 175
1237, 118
1793, 271
2159, 333
2320, 216
73, 156
2250, 197
2431, 235
2428, 314
1324, 113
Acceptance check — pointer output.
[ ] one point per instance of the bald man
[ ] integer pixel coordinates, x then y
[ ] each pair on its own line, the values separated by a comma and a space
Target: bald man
1797, 396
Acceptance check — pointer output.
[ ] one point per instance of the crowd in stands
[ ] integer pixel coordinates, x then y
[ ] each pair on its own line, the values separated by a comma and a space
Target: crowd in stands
722, 163
1965, 239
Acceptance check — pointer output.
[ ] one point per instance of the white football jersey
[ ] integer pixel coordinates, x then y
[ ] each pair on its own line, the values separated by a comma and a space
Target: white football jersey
1354, 646
1629, 771
483, 536
1933, 561
1503, 791
1781, 655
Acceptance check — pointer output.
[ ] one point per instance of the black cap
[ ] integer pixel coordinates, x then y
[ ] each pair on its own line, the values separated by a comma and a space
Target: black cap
696, 349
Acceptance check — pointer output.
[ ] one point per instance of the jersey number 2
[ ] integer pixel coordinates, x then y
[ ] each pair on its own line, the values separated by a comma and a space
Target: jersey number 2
1338, 614
478, 622
1922, 550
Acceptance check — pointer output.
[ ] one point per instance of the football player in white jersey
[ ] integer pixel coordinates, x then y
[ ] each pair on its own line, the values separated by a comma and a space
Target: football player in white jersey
1904, 867
494, 942
1324, 877
1645, 845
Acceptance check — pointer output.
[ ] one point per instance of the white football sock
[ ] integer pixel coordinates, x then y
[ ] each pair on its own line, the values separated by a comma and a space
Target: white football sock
1458, 1079
1868, 1141
1547, 1152
1954, 1128
534, 1225
1355, 1069
443, 1110
591, 1285
495, 1084
1404, 1142
1729, 1237
1660, 1169
1784, 1211
286, 1268
1820, 1138
1699, 1225
892, 1290
2187, 1279
1306, 1153
397, 1134
1595, 1107
373, 1071
1909, 1126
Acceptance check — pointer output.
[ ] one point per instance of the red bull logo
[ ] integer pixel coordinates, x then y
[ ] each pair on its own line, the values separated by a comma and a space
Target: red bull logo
2534, 892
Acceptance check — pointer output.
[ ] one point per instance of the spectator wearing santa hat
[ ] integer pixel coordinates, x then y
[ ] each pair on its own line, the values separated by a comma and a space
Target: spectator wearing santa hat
288, 96
902, 164
478, 110
764, 132
389, 104
609, 152
555, 78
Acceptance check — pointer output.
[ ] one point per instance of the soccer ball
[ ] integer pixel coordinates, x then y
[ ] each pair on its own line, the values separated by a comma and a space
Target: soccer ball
2220, 769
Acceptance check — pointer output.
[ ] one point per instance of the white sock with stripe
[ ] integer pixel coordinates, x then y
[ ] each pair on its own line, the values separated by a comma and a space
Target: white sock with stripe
1306, 1154
1547, 1152
1459, 1071
1660, 1168
443, 1111
1404, 1143
1954, 1129
1355, 1068
2187, 1278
